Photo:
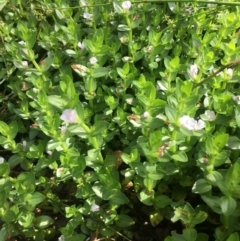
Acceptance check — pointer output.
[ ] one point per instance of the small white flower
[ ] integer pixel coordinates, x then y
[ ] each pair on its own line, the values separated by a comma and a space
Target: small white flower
145, 114
200, 124
237, 99
126, 5
149, 48
230, 73
24, 145
1, 160
191, 124
87, 16
95, 208
193, 70
127, 59
81, 45
69, 115
49, 153
35, 90
22, 43
25, 64
59, 172
61, 238
63, 130
210, 115
123, 40
148, 28
187, 122
93, 60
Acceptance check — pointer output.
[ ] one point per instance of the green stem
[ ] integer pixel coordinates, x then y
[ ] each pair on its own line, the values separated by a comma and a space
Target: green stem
129, 34
91, 11
156, 1
174, 138
234, 62
95, 145
93, 140
38, 69
90, 90
20, 6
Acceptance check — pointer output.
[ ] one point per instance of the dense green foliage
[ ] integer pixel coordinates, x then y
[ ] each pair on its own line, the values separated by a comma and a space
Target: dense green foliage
119, 120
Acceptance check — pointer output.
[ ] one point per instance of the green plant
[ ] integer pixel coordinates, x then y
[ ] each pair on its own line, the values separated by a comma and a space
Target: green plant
119, 111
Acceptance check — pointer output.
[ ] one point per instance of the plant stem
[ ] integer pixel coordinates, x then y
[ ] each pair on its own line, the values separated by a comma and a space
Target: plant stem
129, 34
234, 62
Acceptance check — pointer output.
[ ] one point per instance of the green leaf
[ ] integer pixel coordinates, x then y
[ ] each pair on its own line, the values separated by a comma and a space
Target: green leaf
35, 198
155, 175
13, 129
4, 129
199, 218
3, 196
220, 140
43, 221
146, 198
4, 169
99, 127
174, 63
233, 237
117, 7
78, 130
9, 216
90, 46
118, 198
155, 218
121, 73
53, 144
80, 111
150, 91
15, 160
25, 182
26, 219
168, 238
57, 101
180, 156
213, 202
123, 28
144, 101
3, 231
2, 4
124, 221
202, 237
171, 114
46, 63
172, 7
177, 237
221, 158
190, 234
201, 186
161, 201
155, 139
228, 205
99, 72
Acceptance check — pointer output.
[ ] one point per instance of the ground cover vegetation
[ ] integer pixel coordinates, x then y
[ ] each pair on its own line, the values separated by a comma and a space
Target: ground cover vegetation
119, 120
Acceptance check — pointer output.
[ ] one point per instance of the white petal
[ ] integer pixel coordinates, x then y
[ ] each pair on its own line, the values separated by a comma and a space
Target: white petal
93, 60
199, 125
69, 115
210, 115
126, 5
95, 208
145, 114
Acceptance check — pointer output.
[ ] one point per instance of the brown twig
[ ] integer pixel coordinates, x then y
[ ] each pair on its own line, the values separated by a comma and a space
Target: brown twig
236, 61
